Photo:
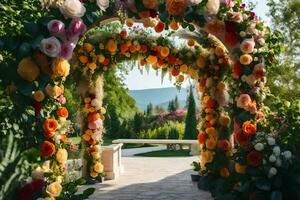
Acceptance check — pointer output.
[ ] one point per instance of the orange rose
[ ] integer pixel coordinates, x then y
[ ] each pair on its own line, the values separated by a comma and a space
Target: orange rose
164, 51
93, 117
241, 169
28, 70
176, 7
62, 112
174, 25
50, 125
60, 67
112, 46
47, 149
160, 26
224, 172
249, 129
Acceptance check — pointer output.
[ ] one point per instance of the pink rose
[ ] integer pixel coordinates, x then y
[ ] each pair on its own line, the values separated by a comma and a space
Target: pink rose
228, 3
56, 28
243, 101
252, 108
97, 135
75, 29
236, 17
50, 46
247, 46
67, 50
92, 125
61, 99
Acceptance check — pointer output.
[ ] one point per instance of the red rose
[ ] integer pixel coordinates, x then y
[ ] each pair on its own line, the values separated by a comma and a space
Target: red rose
254, 158
223, 145
201, 138
237, 70
25, 193
230, 26
241, 138
37, 107
38, 185
231, 39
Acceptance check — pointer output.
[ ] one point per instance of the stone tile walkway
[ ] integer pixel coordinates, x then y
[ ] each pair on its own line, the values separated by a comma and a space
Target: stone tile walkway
152, 179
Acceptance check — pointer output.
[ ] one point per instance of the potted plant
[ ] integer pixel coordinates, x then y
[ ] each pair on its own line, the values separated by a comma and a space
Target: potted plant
196, 177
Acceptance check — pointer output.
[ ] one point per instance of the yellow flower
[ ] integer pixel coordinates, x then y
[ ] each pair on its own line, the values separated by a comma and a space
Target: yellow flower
87, 100
93, 174
246, 59
54, 189
151, 60
112, 46
219, 51
100, 58
98, 167
224, 120
207, 156
95, 155
184, 68
241, 169
88, 47
28, 70
60, 67
211, 131
222, 86
92, 66
54, 91
164, 51
39, 96
211, 143
61, 156
86, 137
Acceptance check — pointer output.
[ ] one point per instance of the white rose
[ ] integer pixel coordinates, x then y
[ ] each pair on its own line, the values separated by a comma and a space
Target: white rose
194, 2
72, 9
103, 4
278, 162
259, 147
50, 46
271, 141
37, 173
272, 172
261, 41
287, 154
276, 150
272, 158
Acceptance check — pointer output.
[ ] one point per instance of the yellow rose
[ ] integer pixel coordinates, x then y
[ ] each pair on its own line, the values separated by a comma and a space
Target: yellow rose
98, 167
39, 96
207, 156
151, 4
224, 120
246, 59
88, 47
61, 156
176, 7
222, 86
95, 155
241, 169
54, 91
28, 70
220, 51
60, 67
112, 46
54, 189
211, 143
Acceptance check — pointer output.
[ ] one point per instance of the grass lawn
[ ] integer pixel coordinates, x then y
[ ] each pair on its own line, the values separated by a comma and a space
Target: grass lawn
166, 153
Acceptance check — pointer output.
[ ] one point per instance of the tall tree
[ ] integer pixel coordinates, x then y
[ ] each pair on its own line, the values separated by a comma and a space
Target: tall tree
284, 78
191, 122
138, 122
114, 125
149, 110
176, 103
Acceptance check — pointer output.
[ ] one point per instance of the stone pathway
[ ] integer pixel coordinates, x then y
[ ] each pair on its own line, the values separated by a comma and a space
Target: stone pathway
152, 179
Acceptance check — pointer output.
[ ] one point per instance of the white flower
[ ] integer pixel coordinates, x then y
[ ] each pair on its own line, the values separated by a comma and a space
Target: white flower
213, 6
276, 150
72, 9
194, 2
272, 158
37, 173
271, 141
287, 154
259, 147
272, 172
254, 51
50, 46
243, 34
261, 41
103, 4
278, 162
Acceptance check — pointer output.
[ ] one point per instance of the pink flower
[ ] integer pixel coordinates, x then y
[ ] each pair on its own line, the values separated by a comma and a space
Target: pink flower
252, 108
50, 46
228, 3
92, 125
243, 101
67, 50
97, 135
56, 28
236, 17
61, 99
75, 29
247, 46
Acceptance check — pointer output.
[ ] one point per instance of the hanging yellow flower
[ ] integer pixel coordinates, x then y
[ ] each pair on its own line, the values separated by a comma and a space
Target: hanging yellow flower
28, 70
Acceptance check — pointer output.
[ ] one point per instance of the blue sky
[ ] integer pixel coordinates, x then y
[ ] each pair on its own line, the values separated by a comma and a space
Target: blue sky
137, 81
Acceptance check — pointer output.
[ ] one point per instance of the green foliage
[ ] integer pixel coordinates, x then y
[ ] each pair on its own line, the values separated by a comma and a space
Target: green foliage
191, 120
173, 134
149, 110
113, 122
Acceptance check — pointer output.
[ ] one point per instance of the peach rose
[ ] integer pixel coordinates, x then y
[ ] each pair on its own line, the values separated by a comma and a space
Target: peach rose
249, 129
213, 6
151, 4
243, 101
61, 156
38, 96
60, 67
247, 46
176, 7
211, 144
28, 70
246, 59
98, 167
207, 156
54, 189
54, 91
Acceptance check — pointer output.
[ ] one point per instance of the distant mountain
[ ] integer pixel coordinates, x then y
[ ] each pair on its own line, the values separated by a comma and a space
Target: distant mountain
158, 96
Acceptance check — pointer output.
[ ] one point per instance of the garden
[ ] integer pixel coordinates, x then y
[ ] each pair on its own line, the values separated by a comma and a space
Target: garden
58, 60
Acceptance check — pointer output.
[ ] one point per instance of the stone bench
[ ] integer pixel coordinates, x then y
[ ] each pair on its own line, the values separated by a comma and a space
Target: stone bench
193, 144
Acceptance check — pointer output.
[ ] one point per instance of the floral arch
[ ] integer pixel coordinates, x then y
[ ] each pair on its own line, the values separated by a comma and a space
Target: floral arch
228, 52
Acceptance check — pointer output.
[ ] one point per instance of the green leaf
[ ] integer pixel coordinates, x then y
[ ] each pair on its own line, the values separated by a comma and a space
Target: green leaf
80, 181
88, 192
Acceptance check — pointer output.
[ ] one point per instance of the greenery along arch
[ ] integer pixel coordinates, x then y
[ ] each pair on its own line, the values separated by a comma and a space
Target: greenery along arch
54, 36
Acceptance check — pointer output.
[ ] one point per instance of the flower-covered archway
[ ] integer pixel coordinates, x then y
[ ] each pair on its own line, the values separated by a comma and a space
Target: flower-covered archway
227, 54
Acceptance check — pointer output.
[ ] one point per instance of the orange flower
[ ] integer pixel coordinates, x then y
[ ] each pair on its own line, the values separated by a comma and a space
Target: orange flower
129, 22
160, 26
215, 27
88, 47
62, 112
123, 34
92, 66
144, 48
124, 48
211, 144
47, 149
241, 169
164, 51
201, 138
50, 125
174, 25
93, 117
144, 14
150, 4
249, 129
151, 60
83, 59
176, 7
191, 42
211, 103
180, 78
224, 172
112, 46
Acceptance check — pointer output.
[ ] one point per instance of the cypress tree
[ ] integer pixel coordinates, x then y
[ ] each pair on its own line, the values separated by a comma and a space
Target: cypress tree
114, 123
190, 132
176, 103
